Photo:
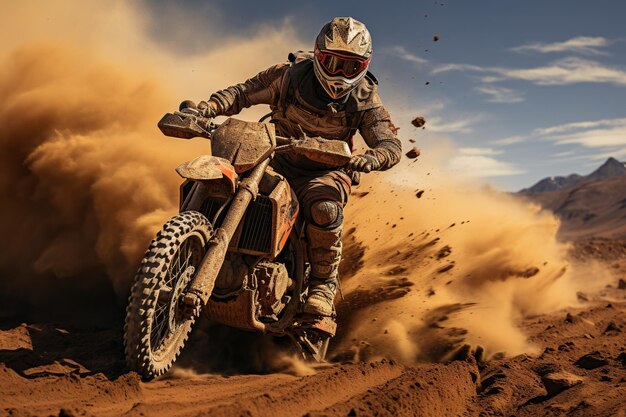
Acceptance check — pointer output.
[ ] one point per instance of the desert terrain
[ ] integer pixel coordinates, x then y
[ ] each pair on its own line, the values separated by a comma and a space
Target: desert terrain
580, 371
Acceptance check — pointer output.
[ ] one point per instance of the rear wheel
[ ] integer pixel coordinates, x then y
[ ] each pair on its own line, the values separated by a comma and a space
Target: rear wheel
156, 328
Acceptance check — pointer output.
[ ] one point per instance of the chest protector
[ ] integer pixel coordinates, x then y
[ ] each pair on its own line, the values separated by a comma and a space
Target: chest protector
293, 93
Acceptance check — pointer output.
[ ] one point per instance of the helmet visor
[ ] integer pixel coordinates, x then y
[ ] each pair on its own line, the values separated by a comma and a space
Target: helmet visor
335, 64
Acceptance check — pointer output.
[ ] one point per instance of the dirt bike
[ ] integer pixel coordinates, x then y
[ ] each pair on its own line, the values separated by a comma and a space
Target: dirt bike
235, 252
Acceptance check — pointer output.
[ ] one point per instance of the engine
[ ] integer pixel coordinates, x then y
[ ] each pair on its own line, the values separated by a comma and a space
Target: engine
271, 280
232, 277
273, 283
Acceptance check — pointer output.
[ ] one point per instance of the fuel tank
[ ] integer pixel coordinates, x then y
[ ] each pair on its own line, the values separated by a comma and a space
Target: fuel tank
243, 144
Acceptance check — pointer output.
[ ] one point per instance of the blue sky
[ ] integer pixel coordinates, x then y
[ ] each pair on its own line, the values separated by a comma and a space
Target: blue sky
524, 89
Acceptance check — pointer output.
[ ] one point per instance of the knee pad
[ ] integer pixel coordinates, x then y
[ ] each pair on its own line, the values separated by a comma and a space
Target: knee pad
326, 214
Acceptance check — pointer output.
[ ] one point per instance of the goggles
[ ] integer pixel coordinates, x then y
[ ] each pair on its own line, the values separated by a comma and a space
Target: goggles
334, 64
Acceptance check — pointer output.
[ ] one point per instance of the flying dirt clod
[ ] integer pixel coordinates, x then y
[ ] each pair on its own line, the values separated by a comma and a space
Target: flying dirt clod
419, 121
413, 153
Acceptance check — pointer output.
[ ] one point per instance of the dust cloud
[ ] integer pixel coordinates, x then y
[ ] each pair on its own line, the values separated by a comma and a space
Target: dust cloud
460, 264
87, 178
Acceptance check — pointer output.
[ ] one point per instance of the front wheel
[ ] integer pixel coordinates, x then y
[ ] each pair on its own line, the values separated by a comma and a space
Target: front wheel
156, 328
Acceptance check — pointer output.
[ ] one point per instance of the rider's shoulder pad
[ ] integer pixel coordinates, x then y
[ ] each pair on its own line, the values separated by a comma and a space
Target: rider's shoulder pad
366, 93
299, 56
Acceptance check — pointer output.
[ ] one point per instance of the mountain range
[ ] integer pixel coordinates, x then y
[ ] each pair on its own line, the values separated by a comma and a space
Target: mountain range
611, 168
589, 206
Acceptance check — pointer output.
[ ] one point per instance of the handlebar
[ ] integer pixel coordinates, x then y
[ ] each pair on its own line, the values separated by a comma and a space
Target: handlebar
188, 111
191, 122
209, 125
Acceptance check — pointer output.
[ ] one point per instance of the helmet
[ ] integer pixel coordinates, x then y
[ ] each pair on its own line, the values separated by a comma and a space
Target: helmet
343, 50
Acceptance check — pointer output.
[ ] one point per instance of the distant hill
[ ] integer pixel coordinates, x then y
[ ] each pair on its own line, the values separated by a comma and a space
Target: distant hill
611, 168
589, 206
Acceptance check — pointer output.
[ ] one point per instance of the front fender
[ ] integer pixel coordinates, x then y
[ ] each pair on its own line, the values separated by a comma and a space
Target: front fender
207, 168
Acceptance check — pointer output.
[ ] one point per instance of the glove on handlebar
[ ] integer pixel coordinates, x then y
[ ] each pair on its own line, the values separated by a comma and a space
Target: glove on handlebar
206, 110
203, 109
363, 163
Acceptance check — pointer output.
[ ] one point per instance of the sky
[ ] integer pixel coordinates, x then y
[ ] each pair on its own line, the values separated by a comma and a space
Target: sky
515, 91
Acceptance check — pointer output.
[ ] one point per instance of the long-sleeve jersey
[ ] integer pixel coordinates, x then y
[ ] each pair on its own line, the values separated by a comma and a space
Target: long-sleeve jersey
298, 107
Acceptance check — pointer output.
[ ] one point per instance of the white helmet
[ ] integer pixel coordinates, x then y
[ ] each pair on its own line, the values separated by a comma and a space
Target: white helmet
343, 51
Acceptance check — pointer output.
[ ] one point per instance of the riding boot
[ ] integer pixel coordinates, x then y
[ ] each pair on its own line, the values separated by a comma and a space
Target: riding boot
324, 254
321, 296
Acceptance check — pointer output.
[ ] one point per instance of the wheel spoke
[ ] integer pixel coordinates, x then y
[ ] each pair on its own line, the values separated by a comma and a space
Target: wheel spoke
162, 324
158, 333
159, 313
173, 279
183, 255
186, 264
158, 317
175, 268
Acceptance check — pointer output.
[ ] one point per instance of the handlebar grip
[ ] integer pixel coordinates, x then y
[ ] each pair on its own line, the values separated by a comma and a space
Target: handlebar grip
187, 104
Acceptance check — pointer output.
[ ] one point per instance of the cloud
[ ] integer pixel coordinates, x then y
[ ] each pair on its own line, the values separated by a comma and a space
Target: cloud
479, 163
464, 125
500, 94
581, 44
593, 158
568, 154
509, 140
570, 71
595, 138
479, 151
575, 126
460, 67
564, 71
619, 154
402, 53
607, 136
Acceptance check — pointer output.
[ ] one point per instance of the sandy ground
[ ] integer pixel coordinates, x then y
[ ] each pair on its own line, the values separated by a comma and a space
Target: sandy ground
581, 371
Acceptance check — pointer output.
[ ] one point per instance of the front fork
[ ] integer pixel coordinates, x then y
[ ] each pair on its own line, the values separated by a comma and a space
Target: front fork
203, 282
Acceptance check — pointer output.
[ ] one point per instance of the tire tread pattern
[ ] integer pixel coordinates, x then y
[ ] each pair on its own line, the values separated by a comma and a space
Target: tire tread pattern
143, 298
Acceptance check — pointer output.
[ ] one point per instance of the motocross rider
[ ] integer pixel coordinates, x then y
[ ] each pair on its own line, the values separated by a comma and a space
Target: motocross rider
326, 93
